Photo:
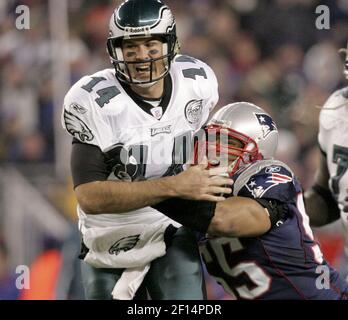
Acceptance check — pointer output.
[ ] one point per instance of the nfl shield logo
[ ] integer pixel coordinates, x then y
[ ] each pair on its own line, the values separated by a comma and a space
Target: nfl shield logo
157, 112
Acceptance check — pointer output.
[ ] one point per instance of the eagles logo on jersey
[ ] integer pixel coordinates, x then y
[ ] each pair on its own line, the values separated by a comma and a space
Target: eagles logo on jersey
124, 244
193, 111
77, 128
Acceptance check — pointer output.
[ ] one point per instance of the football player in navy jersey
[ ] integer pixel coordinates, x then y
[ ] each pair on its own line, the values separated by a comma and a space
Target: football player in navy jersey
128, 125
258, 243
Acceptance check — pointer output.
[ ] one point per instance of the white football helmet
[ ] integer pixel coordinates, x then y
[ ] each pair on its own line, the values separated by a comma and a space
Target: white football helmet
141, 19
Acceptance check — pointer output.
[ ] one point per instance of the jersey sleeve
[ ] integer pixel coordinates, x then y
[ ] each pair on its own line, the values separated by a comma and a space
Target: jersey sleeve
88, 163
82, 118
273, 183
208, 89
329, 116
201, 84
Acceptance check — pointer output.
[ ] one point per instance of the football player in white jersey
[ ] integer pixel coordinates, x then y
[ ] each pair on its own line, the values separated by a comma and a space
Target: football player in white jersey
327, 200
132, 127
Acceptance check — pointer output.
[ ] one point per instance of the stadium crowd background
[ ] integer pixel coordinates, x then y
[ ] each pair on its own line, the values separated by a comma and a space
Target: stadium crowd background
266, 52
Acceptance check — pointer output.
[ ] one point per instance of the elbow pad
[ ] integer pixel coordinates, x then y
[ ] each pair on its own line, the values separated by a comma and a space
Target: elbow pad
196, 215
276, 210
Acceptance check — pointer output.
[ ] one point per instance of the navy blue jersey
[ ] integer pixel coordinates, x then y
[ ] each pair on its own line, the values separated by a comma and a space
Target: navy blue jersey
284, 263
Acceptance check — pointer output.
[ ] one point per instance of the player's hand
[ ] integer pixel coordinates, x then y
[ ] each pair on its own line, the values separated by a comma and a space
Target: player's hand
199, 183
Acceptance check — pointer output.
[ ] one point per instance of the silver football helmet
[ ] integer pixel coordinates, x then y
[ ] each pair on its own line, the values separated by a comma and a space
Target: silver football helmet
141, 19
253, 128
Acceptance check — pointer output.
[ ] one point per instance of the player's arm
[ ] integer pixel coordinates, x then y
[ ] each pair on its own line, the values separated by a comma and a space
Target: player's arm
240, 217
233, 217
96, 195
321, 206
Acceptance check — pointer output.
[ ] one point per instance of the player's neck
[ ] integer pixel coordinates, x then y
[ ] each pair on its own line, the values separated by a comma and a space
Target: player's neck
153, 92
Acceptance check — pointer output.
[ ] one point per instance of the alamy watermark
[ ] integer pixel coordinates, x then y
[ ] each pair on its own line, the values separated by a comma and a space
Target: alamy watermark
23, 17
323, 280
23, 278
322, 22
214, 145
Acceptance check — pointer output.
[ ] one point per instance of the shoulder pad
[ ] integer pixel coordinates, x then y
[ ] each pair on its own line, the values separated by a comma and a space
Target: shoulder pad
198, 73
82, 116
334, 109
260, 179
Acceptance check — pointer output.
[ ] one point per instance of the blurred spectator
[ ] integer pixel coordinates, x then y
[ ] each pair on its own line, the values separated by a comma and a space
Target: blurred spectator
288, 149
18, 99
8, 289
69, 282
43, 277
31, 148
323, 56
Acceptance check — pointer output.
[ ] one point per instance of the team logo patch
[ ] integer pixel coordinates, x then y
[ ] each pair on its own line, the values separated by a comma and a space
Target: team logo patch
258, 186
156, 131
193, 111
78, 108
77, 128
157, 112
124, 244
266, 123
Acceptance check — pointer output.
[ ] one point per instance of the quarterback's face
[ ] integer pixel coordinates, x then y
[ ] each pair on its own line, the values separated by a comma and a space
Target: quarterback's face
140, 50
